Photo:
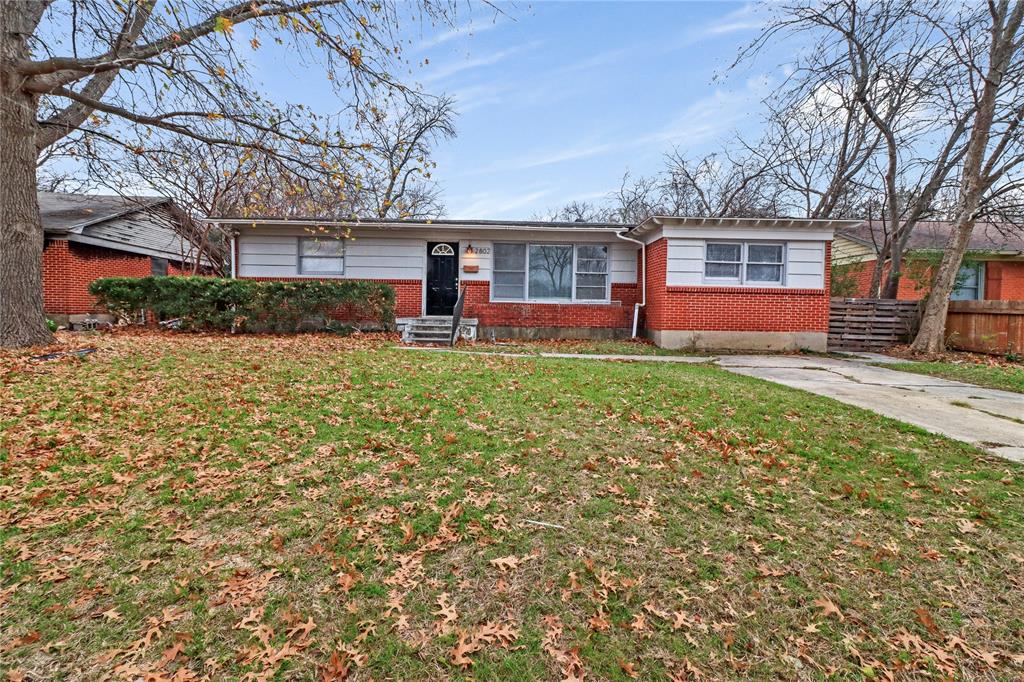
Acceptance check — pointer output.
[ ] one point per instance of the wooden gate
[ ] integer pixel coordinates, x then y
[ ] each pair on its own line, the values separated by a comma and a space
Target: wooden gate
868, 324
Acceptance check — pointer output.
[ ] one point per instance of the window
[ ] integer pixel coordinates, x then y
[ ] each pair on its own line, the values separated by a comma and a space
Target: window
158, 267
550, 272
764, 263
744, 263
969, 283
321, 256
510, 271
723, 261
592, 273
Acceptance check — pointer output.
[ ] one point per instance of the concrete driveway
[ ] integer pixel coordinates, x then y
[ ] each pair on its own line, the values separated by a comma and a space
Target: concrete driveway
990, 419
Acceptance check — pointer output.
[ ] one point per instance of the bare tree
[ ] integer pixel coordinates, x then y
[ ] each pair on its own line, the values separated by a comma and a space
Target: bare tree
986, 47
132, 74
398, 143
875, 85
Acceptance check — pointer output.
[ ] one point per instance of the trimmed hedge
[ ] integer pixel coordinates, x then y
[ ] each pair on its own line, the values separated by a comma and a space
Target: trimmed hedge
216, 303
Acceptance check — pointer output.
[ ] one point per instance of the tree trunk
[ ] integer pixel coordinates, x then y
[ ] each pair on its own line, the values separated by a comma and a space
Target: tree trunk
876, 275
22, 322
892, 279
931, 338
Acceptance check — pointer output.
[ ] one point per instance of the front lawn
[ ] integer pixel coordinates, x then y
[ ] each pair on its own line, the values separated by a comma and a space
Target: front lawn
636, 346
207, 507
1004, 376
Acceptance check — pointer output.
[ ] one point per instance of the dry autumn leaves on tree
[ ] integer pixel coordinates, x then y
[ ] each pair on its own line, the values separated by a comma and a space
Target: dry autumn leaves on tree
350, 340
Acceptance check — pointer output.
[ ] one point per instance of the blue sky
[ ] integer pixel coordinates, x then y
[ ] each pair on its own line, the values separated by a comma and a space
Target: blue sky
558, 99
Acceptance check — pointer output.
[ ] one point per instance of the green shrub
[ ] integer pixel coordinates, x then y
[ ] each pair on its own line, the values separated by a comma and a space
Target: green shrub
216, 303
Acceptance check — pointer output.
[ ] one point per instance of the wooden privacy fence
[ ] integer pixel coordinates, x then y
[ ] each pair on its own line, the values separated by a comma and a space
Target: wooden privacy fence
871, 324
986, 326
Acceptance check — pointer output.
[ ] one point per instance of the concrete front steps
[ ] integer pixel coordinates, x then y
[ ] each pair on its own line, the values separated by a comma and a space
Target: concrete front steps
434, 330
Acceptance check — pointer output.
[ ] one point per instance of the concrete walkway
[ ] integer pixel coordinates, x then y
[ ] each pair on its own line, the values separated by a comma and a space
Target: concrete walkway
989, 419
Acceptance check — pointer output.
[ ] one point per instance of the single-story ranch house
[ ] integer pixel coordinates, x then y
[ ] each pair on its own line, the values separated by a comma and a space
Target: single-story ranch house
705, 283
993, 268
89, 236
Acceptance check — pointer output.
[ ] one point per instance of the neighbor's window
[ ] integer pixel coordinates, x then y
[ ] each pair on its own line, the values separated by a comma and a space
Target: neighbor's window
969, 283
158, 267
743, 262
321, 256
550, 272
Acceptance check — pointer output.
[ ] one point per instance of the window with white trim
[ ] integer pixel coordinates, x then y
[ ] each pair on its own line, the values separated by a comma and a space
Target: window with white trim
550, 272
591, 272
970, 283
753, 263
321, 256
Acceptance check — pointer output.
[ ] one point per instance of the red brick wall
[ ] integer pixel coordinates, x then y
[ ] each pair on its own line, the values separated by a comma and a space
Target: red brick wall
69, 268
615, 315
704, 308
408, 293
1004, 281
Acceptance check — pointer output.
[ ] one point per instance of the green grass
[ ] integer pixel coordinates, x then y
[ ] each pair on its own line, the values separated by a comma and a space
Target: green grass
575, 347
1006, 377
188, 505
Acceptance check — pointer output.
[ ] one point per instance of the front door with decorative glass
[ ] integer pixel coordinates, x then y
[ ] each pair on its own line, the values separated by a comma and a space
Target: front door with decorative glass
442, 277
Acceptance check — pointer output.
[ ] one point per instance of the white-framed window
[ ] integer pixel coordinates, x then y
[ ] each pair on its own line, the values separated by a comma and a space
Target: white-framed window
321, 256
970, 283
509, 272
764, 263
550, 272
592, 272
749, 263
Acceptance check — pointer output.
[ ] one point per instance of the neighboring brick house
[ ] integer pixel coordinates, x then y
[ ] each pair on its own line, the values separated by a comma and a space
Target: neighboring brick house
92, 236
740, 283
993, 268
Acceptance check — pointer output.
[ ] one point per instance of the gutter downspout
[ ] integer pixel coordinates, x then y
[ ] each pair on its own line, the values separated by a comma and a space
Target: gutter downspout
642, 276
234, 258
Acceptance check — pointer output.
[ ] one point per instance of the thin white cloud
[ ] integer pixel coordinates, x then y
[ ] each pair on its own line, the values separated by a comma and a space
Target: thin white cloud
703, 121
450, 69
470, 28
746, 18
492, 204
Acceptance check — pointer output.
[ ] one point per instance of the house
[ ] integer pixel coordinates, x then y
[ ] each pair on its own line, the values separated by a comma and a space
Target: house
993, 268
92, 236
715, 283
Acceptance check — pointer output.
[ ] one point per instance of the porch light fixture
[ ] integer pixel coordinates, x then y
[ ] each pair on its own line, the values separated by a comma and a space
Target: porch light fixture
469, 249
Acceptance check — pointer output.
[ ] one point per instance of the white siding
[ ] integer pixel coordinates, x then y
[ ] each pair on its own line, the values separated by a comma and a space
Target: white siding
685, 262
805, 265
623, 263
365, 257
379, 254
805, 261
384, 258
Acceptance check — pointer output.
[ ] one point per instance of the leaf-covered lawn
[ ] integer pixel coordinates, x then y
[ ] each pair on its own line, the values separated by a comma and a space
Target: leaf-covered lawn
1004, 376
574, 346
309, 507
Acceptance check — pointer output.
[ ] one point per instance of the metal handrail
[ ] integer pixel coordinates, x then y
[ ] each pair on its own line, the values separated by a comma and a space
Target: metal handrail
457, 315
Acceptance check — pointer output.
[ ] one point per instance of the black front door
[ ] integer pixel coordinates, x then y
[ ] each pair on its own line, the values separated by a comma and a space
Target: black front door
442, 277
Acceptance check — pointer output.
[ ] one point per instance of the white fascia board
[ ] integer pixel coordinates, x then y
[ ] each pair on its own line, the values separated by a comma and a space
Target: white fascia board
747, 233
767, 228
401, 227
